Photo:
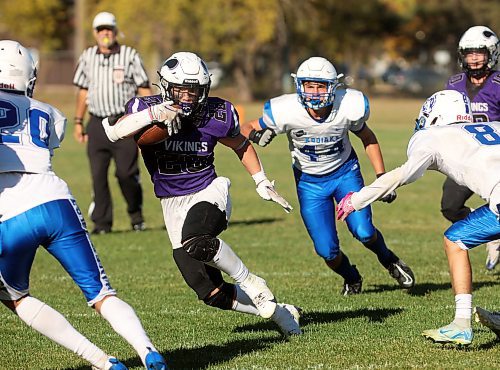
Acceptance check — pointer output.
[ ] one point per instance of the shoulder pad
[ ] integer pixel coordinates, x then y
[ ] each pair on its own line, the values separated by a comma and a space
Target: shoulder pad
137, 104
352, 105
496, 78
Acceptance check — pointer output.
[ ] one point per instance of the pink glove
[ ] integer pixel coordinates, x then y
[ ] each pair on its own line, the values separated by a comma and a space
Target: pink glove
344, 207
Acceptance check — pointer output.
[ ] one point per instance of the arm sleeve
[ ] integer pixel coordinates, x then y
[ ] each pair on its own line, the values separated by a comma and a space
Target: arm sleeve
137, 117
409, 172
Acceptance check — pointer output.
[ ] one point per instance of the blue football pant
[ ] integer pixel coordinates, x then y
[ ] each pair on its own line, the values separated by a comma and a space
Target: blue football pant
60, 228
480, 226
317, 209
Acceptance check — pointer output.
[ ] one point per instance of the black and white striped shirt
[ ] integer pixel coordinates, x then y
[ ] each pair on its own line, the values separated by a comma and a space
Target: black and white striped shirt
111, 79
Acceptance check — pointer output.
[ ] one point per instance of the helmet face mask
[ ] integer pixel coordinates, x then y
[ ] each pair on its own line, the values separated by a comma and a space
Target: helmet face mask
185, 80
443, 108
480, 40
321, 71
17, 68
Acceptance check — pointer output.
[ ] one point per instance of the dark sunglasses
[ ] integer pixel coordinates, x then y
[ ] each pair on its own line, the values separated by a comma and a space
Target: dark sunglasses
101, 28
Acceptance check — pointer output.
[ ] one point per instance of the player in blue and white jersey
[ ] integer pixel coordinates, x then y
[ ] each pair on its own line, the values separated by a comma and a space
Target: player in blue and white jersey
37, 208
445, 123
317, 120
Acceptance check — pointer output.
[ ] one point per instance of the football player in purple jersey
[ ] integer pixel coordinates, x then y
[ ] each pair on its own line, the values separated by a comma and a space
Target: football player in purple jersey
195, 201
478, 53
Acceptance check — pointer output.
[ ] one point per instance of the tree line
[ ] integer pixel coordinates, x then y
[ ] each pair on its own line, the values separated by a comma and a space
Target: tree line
257, 42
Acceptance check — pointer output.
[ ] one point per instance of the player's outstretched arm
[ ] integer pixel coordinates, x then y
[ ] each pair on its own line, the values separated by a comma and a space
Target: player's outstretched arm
132, 123
374, 154
258, 135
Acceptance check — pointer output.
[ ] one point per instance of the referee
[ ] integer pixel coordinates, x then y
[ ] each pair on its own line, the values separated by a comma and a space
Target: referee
108, 75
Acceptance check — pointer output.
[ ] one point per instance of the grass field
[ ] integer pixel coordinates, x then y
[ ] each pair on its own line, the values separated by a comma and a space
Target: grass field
377, 329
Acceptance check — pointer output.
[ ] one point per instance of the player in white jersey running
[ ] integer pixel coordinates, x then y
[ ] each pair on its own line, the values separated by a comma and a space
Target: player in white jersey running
445, 123
37, 208
317, 120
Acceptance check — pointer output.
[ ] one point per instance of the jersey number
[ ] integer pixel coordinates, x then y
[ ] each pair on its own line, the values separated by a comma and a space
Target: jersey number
485, 134
314, 153
38, 128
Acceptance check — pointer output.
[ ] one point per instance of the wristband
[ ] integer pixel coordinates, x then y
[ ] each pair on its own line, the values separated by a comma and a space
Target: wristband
259, 177
78, 121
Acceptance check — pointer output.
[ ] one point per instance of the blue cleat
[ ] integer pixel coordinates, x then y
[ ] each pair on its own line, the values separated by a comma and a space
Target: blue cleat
112, 364
117, 365
451, 333
155, 361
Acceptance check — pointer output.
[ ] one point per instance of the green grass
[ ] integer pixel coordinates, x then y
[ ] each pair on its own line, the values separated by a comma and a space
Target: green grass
378, 329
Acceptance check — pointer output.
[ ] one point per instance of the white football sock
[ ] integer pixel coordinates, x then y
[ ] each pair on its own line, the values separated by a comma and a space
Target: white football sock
463, 309
243, 303
227, 261
125, 322
54, 326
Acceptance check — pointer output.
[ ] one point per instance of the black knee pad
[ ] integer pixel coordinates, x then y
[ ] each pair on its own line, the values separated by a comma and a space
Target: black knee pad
204, 221
203, 218
202, 247
224, 298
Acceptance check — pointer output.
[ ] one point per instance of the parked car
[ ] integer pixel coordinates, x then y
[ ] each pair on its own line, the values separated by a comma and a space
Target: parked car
419, 81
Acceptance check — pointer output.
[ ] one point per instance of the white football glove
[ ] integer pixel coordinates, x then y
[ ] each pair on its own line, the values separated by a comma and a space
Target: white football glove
266, 190
168, 115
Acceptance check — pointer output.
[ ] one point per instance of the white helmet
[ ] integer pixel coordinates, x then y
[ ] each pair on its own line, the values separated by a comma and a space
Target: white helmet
187, 70
104, 19
321, 70
479, 38
444, 108
17, 68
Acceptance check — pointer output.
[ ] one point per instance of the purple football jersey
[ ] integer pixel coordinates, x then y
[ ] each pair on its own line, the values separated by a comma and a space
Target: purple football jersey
184, 163
486, 103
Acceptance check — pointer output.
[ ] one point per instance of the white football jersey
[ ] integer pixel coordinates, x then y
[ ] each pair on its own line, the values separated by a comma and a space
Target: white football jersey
318, 147
468, 153
29, 132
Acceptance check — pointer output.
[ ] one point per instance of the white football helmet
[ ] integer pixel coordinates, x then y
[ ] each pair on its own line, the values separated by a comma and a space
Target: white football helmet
479, 38
17, 68
185, 70
444, 108
321, 70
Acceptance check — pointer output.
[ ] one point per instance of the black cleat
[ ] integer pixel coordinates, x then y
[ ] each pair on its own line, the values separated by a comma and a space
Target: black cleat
489, 319
352, 288
402, 274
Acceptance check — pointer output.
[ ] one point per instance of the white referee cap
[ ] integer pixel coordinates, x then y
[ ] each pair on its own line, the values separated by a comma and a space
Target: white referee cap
104, 19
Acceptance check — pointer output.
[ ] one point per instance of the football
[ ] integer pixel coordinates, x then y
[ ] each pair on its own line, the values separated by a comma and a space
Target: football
152, 134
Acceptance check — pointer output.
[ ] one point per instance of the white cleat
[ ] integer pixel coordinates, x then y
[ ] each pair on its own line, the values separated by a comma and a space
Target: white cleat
493, 250
262, 297
287, 317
